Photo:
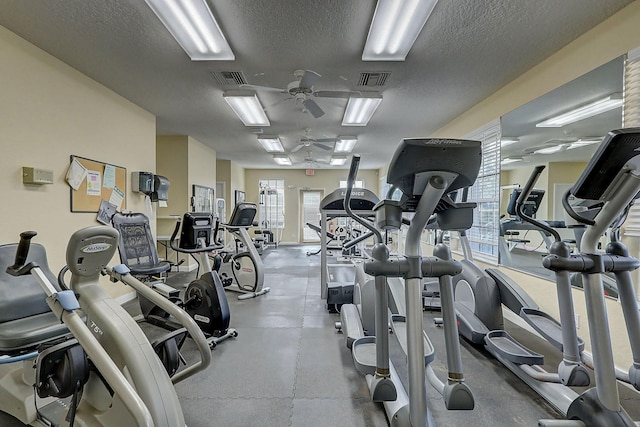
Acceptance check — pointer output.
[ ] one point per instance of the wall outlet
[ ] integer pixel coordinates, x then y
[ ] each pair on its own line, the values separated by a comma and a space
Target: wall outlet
577, 316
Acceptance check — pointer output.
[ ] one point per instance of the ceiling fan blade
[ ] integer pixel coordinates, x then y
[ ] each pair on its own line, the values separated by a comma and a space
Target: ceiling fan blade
335, 94
313, 108
297, 148
326, 140
322, 146
309, 78
264, 88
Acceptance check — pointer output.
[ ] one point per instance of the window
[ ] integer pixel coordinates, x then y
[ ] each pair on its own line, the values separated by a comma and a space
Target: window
483, 235
357, 184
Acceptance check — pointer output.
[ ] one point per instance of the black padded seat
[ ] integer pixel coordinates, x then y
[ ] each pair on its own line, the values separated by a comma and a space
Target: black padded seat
136, 245
25, 317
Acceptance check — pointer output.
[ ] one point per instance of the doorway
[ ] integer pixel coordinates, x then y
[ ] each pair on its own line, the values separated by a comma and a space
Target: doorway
310, 213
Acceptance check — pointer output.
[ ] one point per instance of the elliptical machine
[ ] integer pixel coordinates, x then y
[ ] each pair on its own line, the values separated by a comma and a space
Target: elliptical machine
123, 384
241, 272
613, 177
424, 170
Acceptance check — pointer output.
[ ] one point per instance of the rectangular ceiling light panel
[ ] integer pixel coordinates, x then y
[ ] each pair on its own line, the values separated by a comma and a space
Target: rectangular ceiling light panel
593, 109
337, 161
194, 27
395, 27
247, 107
345, 144
282, 160
360, 109
271, 143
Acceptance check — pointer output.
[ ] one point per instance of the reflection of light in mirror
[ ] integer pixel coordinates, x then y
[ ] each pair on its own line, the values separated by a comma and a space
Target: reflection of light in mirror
508, 141
508, 160
593, 109
550, 150
582, 143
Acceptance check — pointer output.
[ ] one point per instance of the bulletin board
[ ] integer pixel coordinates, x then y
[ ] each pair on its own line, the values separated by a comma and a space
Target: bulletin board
87, 197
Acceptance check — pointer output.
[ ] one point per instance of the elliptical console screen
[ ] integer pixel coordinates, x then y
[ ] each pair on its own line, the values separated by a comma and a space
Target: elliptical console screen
617, 148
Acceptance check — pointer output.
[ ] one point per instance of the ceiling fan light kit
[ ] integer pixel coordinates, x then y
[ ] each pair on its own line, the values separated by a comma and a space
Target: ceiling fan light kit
194, 27
247, 106
589, 110
282, 159
345, 144
271, 143
360, 109
395, 27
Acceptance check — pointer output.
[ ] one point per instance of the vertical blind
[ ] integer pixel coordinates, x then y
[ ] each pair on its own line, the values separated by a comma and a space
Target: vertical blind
631, 118
483, 235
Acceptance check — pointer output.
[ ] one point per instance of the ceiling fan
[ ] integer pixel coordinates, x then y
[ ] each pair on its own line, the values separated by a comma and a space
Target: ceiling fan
302, 91
312, 162
308, 142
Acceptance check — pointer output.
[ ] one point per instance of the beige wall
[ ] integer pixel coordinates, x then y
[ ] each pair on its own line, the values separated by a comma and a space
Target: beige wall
232, 174
49, 111
184, 161
294, 180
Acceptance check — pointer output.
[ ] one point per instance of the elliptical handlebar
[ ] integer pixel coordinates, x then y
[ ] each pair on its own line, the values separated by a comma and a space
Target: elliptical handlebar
524, 195
353, 172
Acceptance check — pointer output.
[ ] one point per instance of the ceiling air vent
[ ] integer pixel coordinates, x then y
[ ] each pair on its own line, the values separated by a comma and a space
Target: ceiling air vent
229, 78
373, 79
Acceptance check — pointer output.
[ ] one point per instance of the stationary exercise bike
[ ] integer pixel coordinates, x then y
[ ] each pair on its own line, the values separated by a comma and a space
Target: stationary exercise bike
241, 272
94, 370
204, 300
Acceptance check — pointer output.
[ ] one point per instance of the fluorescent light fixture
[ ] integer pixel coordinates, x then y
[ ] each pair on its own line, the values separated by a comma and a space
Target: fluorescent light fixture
395, 27
246, 105
337, 160
345, 144
508, 141
282, 159
271, 143
194, 27
593, 109
360, 109
549, 150
508, 160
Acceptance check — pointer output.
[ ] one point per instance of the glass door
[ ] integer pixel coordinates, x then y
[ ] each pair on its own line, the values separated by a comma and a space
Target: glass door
310, 213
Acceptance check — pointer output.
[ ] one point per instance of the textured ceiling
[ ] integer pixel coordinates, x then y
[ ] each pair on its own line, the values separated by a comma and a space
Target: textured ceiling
467, 50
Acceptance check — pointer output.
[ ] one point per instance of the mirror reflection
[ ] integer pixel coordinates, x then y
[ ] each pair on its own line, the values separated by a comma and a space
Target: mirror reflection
560, 130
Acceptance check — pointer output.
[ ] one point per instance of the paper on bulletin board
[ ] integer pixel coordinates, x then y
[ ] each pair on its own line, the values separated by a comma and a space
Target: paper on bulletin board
109, 180
117, 196
93, 183
76, 174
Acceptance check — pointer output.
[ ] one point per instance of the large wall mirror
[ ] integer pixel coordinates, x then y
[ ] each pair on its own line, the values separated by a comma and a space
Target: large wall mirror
564, 148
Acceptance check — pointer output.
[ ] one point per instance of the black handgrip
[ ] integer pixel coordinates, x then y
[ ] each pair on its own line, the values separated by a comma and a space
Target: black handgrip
351, 179
526, 190
173, 236
23, 249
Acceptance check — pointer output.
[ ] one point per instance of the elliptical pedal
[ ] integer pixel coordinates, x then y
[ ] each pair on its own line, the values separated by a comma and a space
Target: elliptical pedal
503, 344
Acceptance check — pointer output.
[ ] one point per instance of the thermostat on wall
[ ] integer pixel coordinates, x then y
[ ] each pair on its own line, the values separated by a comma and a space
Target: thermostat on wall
36, 176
